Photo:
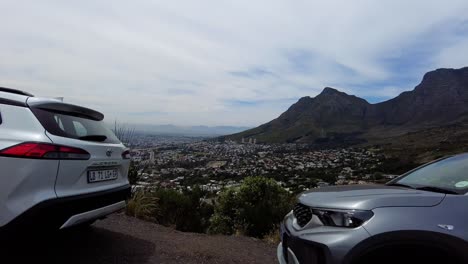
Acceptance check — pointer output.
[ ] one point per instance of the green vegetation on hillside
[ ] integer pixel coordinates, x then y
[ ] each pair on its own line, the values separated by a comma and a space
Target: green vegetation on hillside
254, 209
186, 211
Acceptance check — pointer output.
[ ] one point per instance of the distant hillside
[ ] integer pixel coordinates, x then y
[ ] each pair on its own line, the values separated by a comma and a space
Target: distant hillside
334, 117
205, 131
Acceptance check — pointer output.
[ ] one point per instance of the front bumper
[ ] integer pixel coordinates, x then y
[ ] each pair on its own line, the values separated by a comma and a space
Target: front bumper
68, 211
317, 245
295, 250
286, 255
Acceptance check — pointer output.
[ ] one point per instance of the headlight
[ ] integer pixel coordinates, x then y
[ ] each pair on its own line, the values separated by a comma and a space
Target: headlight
342, 218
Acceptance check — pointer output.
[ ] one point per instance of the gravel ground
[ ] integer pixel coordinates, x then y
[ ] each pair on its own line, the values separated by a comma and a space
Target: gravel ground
122, 239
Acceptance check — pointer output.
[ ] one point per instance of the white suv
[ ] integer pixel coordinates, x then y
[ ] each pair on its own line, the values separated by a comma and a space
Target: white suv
60, 166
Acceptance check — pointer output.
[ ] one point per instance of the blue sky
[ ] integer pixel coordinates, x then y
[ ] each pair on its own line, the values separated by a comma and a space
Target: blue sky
224, 62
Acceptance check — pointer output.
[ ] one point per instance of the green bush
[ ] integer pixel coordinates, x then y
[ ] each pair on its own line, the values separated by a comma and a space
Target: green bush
221, 224
254, 209
185, 211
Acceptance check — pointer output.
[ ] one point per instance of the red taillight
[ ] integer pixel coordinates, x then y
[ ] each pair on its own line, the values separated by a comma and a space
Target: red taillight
45, 151
126, 154
33, 150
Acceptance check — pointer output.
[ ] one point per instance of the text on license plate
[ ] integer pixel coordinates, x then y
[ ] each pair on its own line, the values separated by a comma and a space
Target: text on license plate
102, 175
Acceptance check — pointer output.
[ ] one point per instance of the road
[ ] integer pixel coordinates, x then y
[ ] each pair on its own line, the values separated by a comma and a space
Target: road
122, 239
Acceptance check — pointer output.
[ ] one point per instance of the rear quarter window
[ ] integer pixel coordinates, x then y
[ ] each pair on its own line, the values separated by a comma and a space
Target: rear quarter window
63, 125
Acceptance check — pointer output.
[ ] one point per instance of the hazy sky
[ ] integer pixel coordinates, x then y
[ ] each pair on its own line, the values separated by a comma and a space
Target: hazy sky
223, 62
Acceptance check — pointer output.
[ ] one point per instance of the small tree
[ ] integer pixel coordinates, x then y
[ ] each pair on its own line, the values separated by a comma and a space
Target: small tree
127, 135
133, 174
124, 133
224, 219
255, 208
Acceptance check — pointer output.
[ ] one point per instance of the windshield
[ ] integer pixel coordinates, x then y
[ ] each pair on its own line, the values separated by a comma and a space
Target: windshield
449, 174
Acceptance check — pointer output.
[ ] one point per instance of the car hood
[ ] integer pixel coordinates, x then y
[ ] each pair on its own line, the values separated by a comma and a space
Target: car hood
368, 197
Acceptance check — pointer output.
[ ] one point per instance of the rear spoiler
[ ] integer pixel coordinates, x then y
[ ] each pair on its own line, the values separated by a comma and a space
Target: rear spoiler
67, 109
14, 91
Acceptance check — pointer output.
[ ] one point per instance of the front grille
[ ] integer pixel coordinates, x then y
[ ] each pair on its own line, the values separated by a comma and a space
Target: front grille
303, 214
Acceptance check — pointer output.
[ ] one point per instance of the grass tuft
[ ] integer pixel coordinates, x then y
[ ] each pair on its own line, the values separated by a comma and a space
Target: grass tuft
143, 205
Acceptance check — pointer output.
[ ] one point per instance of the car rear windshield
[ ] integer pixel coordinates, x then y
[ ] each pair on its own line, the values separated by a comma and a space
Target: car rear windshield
70, 126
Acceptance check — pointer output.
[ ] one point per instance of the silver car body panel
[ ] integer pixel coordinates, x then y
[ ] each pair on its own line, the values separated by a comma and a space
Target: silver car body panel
397, 211
452, 211
337, 239
291, 257
368, 197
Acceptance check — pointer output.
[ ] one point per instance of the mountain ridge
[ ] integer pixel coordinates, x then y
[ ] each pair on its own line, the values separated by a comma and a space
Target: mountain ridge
440, 99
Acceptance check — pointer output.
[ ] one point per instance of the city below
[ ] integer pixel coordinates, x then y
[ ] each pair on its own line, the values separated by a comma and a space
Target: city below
185, 162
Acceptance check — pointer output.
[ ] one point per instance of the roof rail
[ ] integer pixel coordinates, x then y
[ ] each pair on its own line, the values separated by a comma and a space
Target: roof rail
14, 91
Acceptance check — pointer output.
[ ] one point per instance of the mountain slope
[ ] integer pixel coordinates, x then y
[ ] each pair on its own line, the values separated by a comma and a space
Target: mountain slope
440, 99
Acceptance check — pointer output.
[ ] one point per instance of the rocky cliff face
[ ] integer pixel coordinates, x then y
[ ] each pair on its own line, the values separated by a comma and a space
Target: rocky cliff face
440, 99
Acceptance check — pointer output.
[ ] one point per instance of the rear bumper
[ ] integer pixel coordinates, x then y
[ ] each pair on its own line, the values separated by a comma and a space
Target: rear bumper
94, 214
68, 211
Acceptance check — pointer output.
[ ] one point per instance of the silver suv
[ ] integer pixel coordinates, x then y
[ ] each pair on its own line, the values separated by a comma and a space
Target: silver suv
420, 217
59, 164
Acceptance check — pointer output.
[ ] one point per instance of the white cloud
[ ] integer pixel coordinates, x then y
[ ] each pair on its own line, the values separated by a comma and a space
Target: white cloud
170, 61
453, 56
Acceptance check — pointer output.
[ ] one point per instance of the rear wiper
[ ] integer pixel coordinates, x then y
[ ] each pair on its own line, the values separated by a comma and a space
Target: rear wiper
436, 189
99, 138
400, 185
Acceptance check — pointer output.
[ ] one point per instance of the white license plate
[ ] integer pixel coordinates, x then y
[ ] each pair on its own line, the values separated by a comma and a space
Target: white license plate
102, 175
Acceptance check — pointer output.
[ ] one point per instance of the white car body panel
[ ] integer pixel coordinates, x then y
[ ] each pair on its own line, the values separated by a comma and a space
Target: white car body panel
26, 183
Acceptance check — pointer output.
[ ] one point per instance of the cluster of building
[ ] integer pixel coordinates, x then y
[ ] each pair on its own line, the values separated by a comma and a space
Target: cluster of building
217, 165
